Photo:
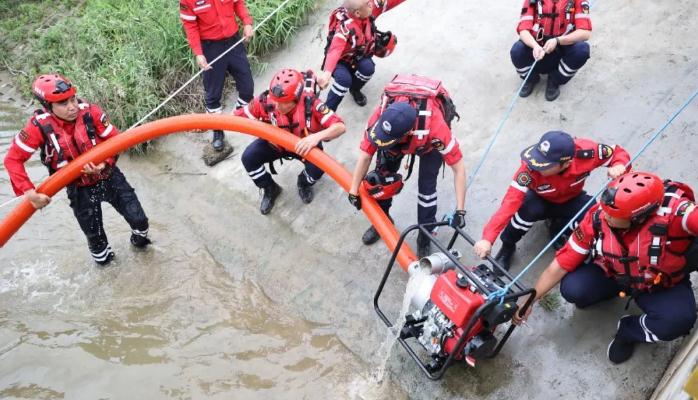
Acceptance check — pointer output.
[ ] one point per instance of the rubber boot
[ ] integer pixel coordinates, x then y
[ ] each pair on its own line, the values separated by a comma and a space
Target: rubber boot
552, 90
530, 84
359, 98
218, 140
619, 350
269, 195
305, 189
423, 245
503, 257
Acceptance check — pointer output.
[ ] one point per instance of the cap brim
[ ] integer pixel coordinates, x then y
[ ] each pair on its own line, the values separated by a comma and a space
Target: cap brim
378, 137
535, 159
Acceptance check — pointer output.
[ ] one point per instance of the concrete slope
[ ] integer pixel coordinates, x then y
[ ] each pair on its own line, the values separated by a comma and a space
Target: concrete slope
644, 65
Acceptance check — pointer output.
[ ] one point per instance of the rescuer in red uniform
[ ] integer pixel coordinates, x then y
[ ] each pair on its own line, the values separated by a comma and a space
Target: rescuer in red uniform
65, 128
555, 33
291, 104
549, 184
211, 28
352, 41
639, 242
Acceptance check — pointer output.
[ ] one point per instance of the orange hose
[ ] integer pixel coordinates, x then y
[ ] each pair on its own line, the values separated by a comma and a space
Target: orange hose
152, 130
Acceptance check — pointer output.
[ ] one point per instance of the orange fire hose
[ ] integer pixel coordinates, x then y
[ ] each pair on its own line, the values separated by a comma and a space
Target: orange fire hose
13, 221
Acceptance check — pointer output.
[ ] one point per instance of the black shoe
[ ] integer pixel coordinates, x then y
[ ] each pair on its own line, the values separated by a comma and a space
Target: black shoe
139, 241
270, 193
305, 193
530, 84
620, 351
359, 97
503, 257
107, 260
371, 236
552, 90
423, 245
218, 140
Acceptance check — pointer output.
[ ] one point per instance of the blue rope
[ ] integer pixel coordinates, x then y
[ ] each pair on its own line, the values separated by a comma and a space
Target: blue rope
499, 128
502, 292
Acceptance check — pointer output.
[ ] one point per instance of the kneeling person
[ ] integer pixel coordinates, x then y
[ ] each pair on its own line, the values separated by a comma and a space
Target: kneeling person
291, 104
640, 241
65, 128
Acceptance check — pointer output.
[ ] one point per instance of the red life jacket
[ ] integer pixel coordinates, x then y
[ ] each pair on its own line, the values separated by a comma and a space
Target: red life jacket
653, 257
430, 98
361, 39
60, 147
561, 21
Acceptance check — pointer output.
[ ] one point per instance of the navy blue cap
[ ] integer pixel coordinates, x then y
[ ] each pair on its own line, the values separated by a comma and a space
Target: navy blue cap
393, 124
553, 148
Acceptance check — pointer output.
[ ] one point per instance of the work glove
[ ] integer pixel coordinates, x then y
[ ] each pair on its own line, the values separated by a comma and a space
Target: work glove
355, 201
457, 219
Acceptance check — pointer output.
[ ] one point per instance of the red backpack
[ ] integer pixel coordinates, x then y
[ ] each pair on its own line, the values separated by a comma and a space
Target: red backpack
424, 93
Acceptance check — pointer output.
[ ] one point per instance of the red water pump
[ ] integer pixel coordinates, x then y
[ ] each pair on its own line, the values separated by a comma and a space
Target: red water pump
453, 314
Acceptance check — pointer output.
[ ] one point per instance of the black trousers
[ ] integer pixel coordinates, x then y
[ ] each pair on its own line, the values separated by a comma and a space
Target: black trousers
234, 62
86, 203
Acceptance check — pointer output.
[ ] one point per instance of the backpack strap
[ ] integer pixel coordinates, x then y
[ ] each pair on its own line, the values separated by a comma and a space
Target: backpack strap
422, 113
90, 127
51, 145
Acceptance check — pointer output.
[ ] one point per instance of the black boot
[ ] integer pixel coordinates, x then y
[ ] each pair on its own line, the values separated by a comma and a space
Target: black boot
270, 193
305, 189
371, 236
139, 241
423, 245
555, 225
552, 90
503, 257
530, 84
359, 97
218, 140
619, 350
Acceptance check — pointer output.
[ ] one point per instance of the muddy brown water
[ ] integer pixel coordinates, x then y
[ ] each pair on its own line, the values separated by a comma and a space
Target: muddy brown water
171, 322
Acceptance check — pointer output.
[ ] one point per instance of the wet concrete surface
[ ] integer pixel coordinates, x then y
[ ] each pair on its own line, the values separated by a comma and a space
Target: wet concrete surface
308, 259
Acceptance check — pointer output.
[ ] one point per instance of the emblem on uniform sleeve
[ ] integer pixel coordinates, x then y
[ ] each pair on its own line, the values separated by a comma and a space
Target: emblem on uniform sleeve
323, 109
681, 211
605, 151
23, 135
579, 235
437, 144
523, 179
104, 120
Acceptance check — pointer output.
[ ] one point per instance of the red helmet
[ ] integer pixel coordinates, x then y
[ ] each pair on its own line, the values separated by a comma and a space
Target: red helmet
382, 186
286, 86
385, 44
52, 88
633, 196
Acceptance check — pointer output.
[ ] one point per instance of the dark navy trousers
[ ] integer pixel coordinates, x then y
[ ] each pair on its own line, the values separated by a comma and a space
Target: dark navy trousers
535, 208
560, 65
667, 313
234, 62
349, 77
261, 152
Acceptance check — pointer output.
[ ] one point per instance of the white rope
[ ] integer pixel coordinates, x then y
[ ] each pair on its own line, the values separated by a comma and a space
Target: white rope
12, 200
176, 92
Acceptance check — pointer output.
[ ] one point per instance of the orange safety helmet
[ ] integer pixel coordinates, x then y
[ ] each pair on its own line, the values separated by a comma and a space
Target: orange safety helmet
633, 196
286, 86
52, 88
385, 44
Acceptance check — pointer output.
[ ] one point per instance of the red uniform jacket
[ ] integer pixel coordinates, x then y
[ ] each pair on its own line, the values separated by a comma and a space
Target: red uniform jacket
553, 20
438, 138
558, 188
683, 223
353, 34
211, 20
72, 137
262, 110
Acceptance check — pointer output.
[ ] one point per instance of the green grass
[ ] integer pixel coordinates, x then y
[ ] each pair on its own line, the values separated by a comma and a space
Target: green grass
550, 302
125, 55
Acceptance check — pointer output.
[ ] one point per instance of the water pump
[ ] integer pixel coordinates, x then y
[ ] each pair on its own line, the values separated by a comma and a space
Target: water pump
452, 316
